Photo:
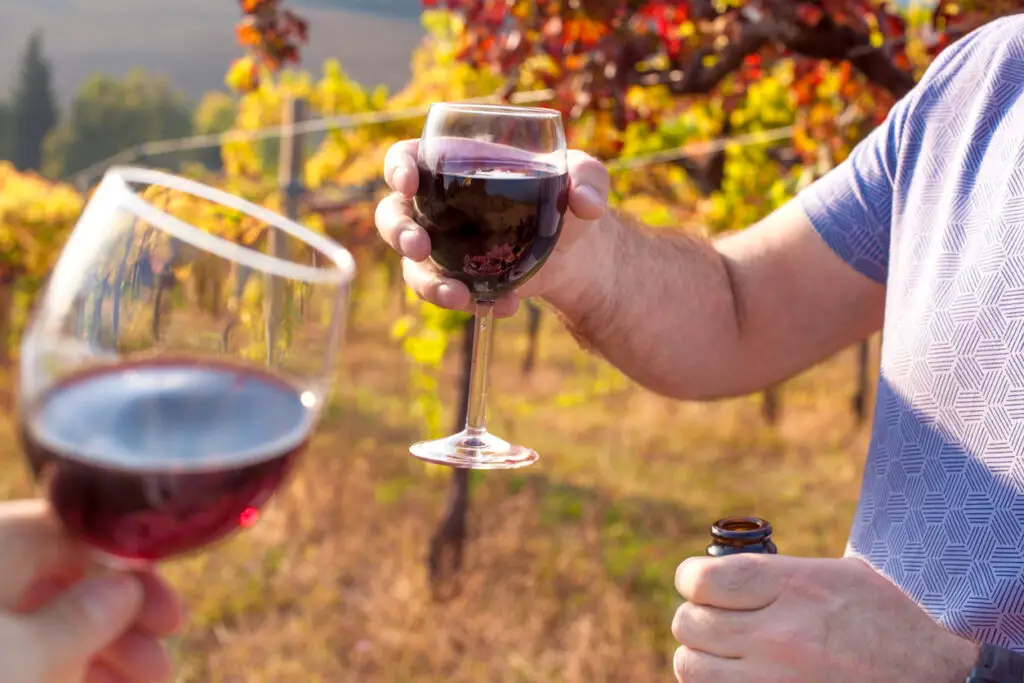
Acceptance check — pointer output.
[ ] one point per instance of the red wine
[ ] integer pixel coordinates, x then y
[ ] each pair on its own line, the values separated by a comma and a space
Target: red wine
156, 458
492, 222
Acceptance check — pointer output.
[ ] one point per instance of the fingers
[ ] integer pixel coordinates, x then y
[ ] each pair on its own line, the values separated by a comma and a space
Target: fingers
138, 657
588, 198
694, 666
394, 222
723, 633
739, 582
86, 619
394, 218
444, 292
400, 167
99, 672
430, 286
46, 589
65, 621
65, 635
31, 533
161, 612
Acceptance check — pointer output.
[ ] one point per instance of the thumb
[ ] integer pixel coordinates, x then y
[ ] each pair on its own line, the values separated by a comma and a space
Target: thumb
588, 197
86, 619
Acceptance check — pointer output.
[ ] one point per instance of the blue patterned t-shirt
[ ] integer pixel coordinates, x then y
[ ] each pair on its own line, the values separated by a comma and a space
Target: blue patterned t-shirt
931, 205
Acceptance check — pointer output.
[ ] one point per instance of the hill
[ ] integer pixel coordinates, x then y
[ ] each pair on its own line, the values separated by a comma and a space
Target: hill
408, 9
191, 42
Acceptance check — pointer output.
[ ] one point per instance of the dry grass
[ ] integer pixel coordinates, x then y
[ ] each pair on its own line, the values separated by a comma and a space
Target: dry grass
569, 568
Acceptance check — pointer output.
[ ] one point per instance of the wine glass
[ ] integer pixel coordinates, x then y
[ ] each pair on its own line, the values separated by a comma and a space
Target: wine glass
493, 191
176, 365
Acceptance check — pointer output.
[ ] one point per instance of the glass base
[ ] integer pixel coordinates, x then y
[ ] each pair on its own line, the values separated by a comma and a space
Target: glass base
475, 451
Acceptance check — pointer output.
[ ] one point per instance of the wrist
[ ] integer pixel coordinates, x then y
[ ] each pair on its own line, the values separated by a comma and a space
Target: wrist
581, 283
958, 658
997, 665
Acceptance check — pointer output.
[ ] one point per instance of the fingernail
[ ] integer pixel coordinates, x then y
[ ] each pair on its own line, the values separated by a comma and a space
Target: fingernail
591, 195
407, 240
401, 178
106, 594
445, 295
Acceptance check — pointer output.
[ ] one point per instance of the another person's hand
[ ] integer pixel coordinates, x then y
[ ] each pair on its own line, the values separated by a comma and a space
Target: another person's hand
588, 199
776, 619
59, 626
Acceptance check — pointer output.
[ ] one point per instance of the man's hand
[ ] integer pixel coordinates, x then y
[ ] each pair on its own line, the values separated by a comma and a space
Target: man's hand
57, 626
588, 199
775, 619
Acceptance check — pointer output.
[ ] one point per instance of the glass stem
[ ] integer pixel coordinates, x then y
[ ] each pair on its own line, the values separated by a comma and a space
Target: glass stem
476, 412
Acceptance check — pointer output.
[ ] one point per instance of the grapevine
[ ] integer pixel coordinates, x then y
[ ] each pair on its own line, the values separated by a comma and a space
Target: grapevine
634, 77
272, 37
36, 215
639, 76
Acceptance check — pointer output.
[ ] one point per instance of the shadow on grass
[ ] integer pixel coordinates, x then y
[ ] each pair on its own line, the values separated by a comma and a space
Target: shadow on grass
641, 539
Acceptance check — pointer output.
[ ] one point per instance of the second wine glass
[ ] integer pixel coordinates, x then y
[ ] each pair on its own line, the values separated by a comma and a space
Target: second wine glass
493, 191
177, 364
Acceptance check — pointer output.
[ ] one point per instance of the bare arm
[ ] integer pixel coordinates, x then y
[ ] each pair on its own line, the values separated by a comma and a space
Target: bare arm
693, 319
680, 315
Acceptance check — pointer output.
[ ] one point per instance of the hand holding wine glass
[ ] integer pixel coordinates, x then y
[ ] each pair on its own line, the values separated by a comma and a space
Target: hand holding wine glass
58, 625
177, 364
395, 221
491, 194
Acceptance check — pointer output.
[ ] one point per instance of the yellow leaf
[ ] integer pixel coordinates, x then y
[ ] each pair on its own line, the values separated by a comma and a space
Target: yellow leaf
401, 327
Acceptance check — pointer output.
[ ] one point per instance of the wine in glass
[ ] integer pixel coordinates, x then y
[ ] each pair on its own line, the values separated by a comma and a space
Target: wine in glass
177, 364
493, 191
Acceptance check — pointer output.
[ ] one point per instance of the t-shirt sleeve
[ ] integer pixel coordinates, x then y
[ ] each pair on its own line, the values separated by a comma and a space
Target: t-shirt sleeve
851, 206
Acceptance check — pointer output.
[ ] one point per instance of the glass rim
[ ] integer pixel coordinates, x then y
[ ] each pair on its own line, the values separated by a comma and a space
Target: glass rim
343, 272
486, 108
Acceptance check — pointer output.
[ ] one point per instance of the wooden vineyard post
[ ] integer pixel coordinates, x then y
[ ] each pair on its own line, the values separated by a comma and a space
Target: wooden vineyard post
771, 398
446, 545
290, 169
860, 395
533, 313
771, 404
6, 312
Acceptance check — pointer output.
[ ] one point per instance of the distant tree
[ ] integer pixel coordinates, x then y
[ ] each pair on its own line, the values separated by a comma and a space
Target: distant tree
6, 132
33, 107
110, 115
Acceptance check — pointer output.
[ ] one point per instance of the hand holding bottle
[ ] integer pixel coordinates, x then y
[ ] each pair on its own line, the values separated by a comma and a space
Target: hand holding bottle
762, 618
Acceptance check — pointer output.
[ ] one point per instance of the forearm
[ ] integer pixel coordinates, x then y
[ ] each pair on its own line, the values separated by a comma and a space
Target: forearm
658, 305
693, 319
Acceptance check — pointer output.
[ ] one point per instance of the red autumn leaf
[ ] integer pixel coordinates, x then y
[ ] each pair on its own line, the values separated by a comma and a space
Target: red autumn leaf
808, 14
894, 26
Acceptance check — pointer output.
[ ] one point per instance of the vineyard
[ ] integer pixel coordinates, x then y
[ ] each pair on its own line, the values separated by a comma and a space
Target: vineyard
710, 115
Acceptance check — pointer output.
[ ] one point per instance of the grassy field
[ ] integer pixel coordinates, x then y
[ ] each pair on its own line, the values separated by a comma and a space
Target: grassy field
568, 574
